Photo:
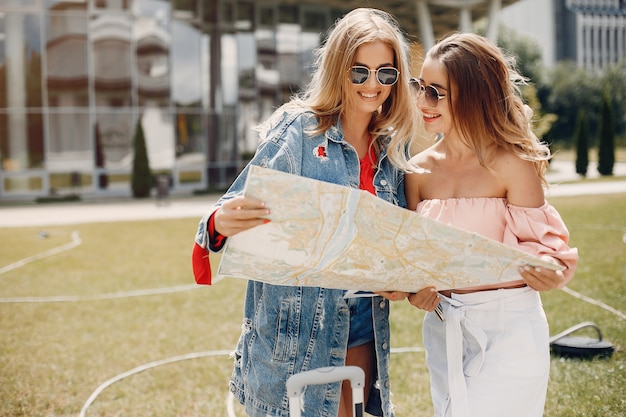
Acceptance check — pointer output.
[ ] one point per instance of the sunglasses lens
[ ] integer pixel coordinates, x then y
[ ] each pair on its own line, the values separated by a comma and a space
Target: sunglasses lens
431, 95
358, 75
387, 76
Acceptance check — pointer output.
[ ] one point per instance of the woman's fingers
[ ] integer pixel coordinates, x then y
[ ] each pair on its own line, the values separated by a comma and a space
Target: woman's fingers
542, 279
426, 299
393, 295
239, 214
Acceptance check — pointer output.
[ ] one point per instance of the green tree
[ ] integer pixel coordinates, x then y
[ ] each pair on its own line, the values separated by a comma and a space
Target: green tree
606, 138
581, 137
613, 79
103, 179
141, 177
570, 89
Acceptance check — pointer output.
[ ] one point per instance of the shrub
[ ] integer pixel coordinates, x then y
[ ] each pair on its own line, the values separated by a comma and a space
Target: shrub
141, 179
581, 138
606, 139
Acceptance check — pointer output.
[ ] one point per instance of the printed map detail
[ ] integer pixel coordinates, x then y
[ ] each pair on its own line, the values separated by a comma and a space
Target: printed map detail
326, 235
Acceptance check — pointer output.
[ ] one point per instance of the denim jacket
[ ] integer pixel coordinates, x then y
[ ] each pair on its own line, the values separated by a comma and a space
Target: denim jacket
288, 329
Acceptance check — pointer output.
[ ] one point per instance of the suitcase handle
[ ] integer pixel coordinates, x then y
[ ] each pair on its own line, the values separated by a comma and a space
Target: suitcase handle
326, 375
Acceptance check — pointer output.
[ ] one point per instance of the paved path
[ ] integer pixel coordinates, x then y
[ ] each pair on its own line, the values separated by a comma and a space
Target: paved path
99, 212
110, 211
563, 171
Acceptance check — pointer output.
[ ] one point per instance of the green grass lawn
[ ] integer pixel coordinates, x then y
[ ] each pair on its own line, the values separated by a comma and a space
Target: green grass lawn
54, 354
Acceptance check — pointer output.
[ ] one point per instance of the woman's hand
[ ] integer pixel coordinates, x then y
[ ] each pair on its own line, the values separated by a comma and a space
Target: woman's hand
426, 299
542, 279
239, 214
393, 295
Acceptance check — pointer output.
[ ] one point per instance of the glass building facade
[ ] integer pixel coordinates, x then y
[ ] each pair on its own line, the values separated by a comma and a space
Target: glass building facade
77, 76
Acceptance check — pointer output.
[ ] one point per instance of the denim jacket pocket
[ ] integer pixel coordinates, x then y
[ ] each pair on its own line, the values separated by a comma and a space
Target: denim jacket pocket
281, 346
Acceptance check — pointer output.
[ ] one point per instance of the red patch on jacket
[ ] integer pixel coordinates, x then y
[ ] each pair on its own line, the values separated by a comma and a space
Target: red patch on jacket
320, 152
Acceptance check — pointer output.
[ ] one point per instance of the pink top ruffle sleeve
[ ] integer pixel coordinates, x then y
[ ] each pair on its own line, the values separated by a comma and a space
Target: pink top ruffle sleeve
539, 231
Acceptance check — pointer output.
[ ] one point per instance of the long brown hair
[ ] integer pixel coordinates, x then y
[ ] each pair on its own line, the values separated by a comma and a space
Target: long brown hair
486, 102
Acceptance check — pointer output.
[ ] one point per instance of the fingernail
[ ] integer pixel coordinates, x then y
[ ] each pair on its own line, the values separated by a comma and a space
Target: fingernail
266, 220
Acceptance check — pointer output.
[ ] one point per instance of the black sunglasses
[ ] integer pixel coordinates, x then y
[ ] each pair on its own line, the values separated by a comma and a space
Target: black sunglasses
431, 94
386, 75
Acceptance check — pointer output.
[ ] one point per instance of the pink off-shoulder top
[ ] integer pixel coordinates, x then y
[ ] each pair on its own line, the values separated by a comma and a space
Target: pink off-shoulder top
539, 231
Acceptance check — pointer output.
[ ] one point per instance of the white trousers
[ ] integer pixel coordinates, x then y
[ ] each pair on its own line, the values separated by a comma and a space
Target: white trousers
491, 355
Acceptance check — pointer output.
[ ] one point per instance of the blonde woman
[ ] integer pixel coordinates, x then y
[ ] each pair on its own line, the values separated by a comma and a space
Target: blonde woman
351, 126
490, 356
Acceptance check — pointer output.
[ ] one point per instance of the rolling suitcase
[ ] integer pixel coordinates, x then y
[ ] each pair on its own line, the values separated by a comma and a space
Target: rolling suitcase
327, 375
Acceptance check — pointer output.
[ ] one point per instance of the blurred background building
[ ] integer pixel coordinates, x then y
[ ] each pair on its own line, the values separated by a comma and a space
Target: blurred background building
591, 33
77, 75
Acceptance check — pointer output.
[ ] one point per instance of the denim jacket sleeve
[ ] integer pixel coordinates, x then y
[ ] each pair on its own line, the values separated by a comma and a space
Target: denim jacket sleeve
281, 150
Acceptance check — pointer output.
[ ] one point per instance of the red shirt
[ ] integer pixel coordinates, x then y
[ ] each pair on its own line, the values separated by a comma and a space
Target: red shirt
368, 163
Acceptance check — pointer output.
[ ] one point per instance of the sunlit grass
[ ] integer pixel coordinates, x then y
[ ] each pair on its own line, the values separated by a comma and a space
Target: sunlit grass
54, 355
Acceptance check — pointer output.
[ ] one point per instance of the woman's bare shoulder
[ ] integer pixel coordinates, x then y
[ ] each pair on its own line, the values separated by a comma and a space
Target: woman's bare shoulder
521, 180
509, 164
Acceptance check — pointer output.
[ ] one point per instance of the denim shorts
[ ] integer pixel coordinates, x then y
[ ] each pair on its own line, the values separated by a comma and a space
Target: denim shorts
361, 323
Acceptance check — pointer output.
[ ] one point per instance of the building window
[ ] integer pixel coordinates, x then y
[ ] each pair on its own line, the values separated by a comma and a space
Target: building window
21, 125
67, 72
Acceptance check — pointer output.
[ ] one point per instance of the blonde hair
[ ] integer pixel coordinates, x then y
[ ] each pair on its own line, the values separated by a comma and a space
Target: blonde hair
487, 105
326, 94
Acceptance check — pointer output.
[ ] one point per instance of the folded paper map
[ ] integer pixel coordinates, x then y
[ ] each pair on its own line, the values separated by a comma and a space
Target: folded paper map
326, 235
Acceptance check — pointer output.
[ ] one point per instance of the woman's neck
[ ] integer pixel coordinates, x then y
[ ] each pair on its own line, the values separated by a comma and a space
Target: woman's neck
356, 132
455, 149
